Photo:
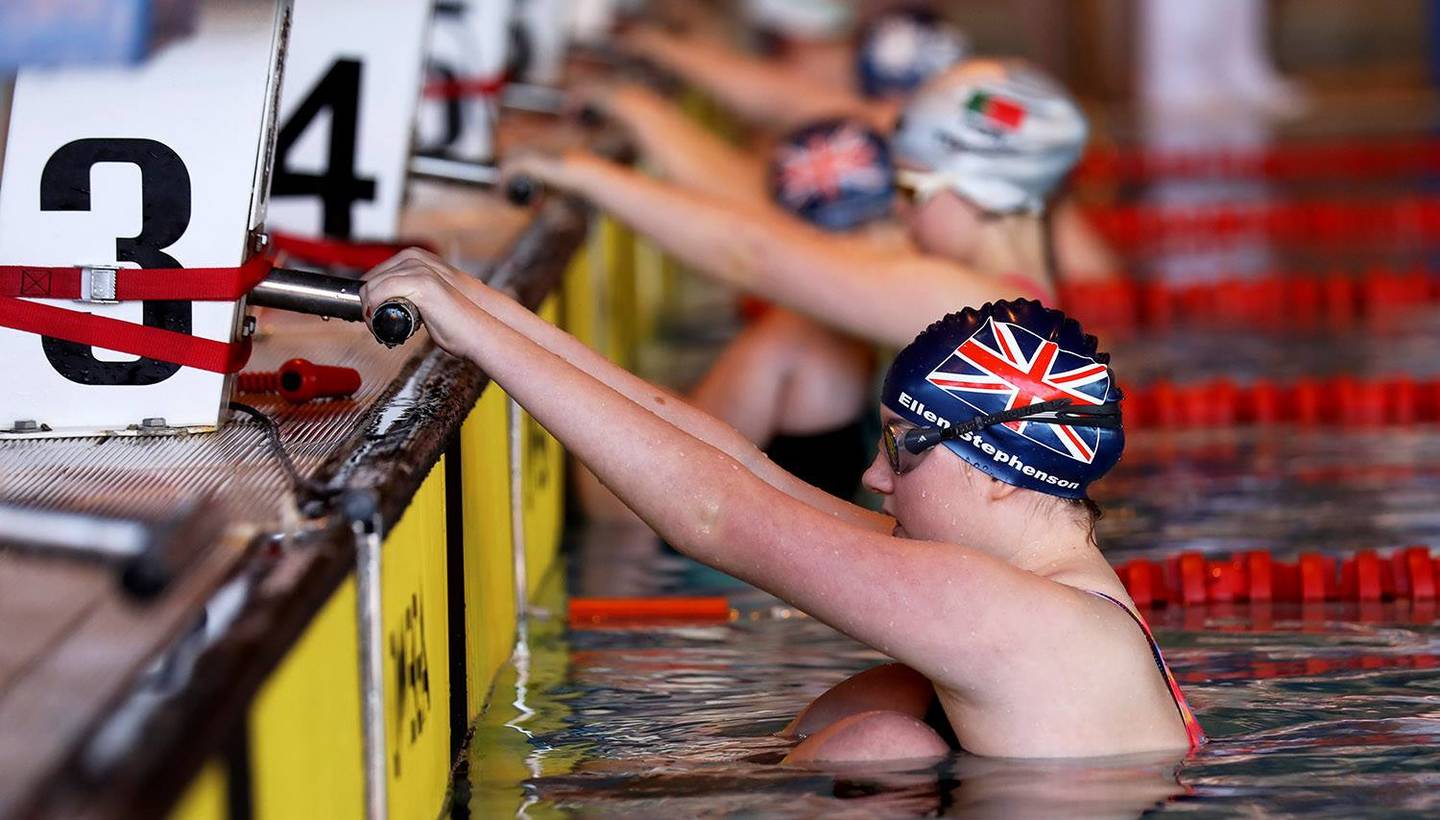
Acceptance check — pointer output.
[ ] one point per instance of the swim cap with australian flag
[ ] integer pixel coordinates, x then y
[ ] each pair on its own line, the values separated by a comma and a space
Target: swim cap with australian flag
1004, 355
1002, 133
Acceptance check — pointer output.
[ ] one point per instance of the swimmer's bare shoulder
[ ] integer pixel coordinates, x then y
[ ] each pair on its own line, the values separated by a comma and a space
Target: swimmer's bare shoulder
1024, 665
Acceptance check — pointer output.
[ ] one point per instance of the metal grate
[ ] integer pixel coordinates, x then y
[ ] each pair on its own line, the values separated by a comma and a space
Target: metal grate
234, 469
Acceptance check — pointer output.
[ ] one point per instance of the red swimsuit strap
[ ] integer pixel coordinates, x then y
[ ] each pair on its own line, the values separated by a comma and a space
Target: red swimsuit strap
1028, 287
1192, 726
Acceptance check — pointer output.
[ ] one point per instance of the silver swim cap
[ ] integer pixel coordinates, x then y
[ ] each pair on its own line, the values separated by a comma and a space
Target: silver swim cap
802, 19
1000, 134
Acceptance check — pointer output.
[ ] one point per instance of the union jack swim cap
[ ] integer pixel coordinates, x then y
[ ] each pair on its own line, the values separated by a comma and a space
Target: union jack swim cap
1005, 355
835, 174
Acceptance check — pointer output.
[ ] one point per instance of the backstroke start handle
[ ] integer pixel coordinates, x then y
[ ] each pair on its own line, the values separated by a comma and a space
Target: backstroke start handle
336, 297
518, 190
395, 321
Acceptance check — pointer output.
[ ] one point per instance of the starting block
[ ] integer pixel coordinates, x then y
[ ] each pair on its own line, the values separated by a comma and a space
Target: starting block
156, 166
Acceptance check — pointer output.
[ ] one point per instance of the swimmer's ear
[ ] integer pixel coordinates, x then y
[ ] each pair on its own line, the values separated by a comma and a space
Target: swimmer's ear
999, 490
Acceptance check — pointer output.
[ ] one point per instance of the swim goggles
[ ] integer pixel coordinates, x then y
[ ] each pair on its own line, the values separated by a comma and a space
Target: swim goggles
919, 187
901, 439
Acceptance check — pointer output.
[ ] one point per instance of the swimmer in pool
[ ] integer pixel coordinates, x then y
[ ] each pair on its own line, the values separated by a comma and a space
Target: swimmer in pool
976, 216
981, 577
895, 53
801, 390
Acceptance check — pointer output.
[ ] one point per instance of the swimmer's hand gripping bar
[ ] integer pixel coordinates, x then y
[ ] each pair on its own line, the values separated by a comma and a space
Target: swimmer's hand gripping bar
540, 99
335, 297
1055, 411
519, 190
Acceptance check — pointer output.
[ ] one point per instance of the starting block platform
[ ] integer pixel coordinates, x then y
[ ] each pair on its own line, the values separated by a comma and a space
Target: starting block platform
237, 690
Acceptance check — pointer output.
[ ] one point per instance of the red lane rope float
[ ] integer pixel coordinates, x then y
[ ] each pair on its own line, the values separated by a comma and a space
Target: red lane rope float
1310, 667
1286, 301
21, 282
1195, 579
1315, 222
598, 610
1189, 579
1343, 401
338, 253
1349, 159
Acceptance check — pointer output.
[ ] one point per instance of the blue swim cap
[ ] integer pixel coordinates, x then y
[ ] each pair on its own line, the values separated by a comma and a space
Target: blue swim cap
835, 174
1011, 354
901, 49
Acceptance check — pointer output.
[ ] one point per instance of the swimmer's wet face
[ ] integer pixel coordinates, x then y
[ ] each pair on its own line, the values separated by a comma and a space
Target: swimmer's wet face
939, 220
937, 496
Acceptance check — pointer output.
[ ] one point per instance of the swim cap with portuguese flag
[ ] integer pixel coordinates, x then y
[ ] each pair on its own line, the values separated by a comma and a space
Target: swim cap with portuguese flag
1010, 354
1001, 133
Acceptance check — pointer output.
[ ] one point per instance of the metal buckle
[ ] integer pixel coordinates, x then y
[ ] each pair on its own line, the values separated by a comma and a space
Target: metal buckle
97, 285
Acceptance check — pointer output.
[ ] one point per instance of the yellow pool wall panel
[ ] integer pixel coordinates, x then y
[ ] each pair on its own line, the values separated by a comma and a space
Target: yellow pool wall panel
543, 468
415, 614
305, 753
489, 548
304, 727
207, 797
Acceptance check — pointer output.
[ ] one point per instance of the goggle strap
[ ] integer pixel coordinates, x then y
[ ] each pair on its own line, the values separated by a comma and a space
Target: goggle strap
1056, 411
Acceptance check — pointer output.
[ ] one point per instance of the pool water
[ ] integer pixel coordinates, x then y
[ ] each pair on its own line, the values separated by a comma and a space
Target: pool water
1322, 712
1326, 711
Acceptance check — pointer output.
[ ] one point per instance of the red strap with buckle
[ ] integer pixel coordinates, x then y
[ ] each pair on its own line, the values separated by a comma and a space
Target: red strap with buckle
137, 284
21, 282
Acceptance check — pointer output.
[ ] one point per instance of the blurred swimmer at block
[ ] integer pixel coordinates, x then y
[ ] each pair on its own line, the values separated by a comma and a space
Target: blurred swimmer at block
979, 151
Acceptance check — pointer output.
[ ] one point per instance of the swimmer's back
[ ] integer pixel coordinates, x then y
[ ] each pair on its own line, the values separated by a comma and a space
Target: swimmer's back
1076, 678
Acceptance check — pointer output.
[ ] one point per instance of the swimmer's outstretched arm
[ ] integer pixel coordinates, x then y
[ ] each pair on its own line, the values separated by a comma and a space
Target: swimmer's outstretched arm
678, 147
671, 408
949, 611
883, 295
755, 89
1083, 254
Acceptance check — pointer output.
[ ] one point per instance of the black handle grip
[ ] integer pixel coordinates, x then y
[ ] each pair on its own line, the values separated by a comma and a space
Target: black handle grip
146, 575
522, 190
591, 116
395, 321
